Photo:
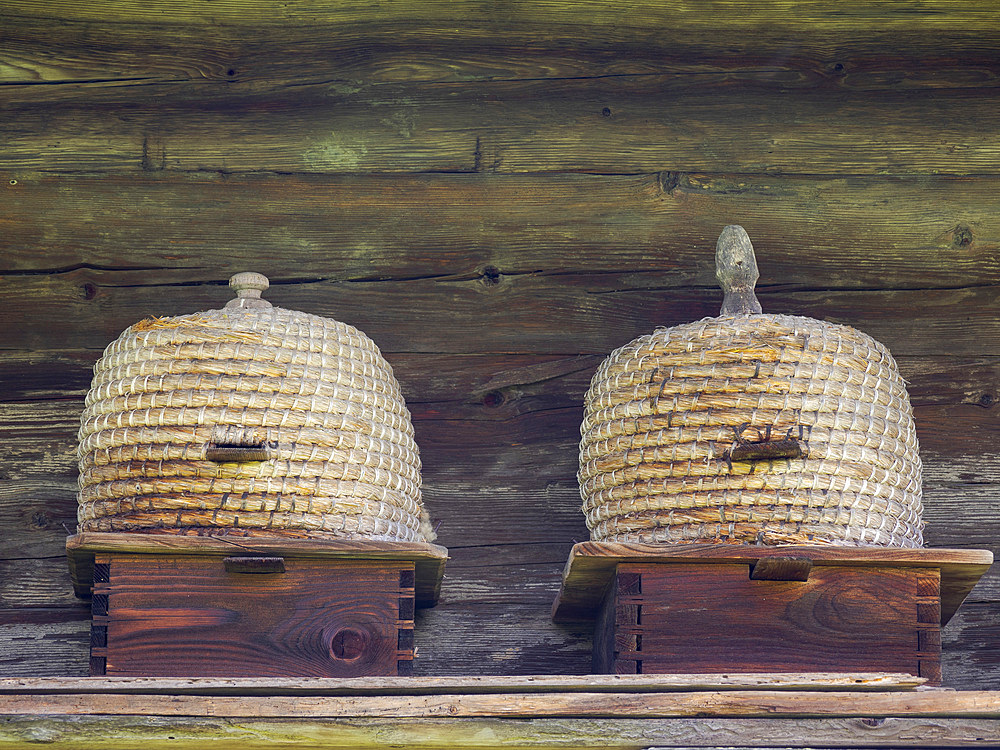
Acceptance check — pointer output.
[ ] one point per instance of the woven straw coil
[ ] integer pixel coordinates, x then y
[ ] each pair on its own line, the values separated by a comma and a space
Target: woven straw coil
751, 428
250, 420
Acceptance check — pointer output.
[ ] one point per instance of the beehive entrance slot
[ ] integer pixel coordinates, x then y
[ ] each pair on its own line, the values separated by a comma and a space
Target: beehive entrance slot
229, 453
237, 445
766, 447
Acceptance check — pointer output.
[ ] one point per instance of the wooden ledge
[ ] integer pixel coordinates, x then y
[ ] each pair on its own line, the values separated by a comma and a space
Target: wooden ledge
605, 683
429, 559
611, 712
591, 566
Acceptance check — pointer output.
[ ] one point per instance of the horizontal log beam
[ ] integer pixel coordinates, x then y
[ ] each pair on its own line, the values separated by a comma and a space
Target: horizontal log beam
654, 230
615, 125
467, 685
526, 705
225, 733
852, 45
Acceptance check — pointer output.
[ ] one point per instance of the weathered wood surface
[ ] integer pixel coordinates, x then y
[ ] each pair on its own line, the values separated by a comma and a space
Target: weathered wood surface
544, 87
923, 322
499, 194
857, 43
225, 733
982, 704
597, 125
469, 684
592, 564
706, 617
658, 230
429, 559
190, 616
132, 713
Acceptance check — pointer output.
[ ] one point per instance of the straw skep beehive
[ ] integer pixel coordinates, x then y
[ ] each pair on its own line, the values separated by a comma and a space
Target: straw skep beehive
249, 420
750, 428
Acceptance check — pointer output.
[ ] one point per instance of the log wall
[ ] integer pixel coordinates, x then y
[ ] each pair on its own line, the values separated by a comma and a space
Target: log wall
499, 194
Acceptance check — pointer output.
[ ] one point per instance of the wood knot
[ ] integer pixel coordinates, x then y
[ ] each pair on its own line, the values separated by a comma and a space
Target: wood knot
494, 399
349, 644
490, 276
962, 236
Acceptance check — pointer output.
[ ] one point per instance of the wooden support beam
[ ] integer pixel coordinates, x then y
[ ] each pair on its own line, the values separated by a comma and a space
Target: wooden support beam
92, 714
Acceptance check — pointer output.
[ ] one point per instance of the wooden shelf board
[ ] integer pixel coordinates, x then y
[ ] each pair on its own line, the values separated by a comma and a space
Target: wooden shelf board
506, 684
734, 703
591, 565
429, 559
601, 711
439, 712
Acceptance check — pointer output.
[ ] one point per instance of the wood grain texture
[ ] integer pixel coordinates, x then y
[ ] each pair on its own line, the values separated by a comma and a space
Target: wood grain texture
429, 559
602, 314
856, 45
592, 565
499, 194
502, 126
730, 703
524, 411
159, 732
716, 618
470, 684
657, 230
186, 616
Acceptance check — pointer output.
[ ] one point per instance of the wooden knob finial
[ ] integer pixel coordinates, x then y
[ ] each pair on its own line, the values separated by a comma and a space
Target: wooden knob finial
736, 270
248, 286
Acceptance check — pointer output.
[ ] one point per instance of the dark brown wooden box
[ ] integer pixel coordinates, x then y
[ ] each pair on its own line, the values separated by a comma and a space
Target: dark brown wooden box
202, 607
692, 609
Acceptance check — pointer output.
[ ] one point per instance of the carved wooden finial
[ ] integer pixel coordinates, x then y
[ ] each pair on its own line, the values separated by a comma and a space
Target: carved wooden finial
248, 286
736, 269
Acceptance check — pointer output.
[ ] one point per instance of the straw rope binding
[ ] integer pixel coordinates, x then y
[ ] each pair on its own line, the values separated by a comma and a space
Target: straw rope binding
250, 420
751, 428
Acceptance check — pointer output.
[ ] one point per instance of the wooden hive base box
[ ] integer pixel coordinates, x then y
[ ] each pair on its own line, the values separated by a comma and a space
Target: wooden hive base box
171, 606
690, 609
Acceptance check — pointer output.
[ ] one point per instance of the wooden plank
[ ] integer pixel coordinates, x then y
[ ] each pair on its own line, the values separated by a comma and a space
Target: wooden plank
968, 658
37, 641
523, 314
466, 685
660, 229
487, 231
409, 41
33, 582
643, 232
223, 733
732, 703
744, 126
605, 13
592, 563
429, 558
